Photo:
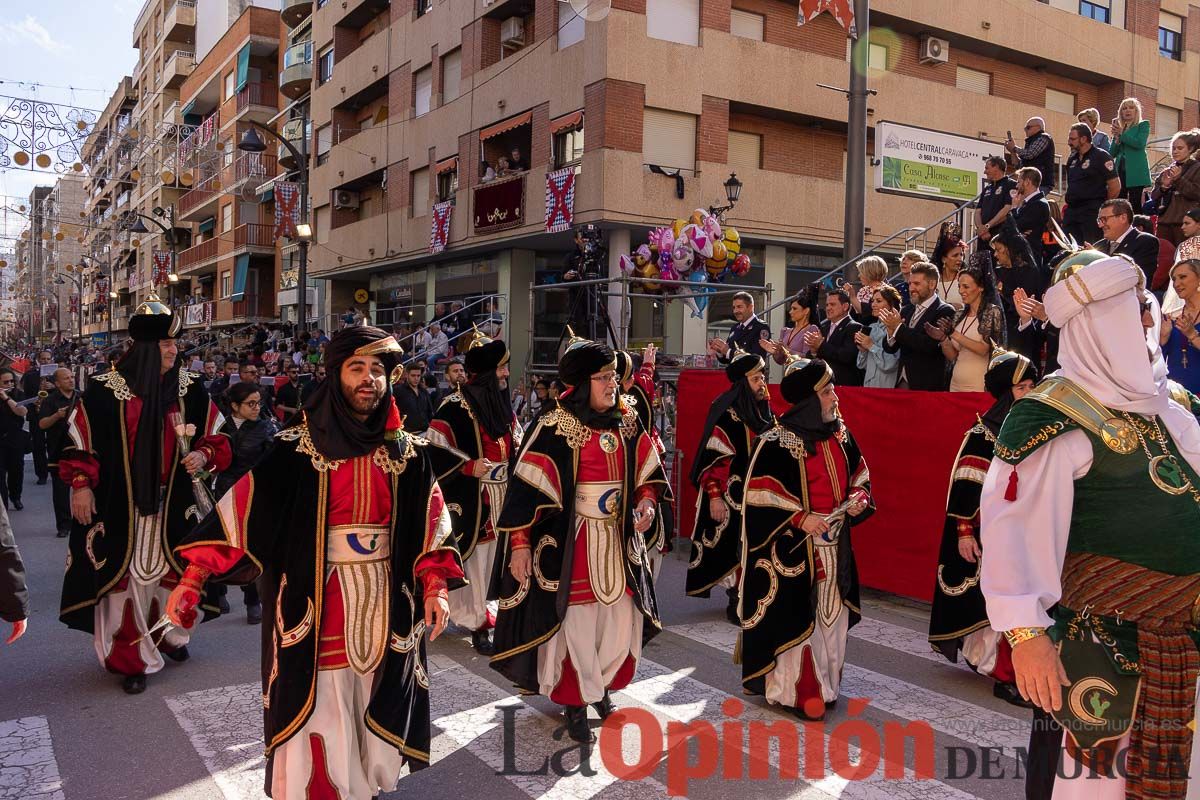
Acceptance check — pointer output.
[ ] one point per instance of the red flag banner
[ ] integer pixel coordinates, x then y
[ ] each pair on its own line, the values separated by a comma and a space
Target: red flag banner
73, 302
842, 11
439, 232
162, 267
560, 199
287, 209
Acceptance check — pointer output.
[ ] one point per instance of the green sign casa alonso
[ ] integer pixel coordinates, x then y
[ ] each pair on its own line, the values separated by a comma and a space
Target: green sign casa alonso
930, 179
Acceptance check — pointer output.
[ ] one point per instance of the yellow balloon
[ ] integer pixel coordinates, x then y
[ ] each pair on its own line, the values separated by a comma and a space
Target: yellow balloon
733, 242
713, 269
697, 218
677, 227
719, 257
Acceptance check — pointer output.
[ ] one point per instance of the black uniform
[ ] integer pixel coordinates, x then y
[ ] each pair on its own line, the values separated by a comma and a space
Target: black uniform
56, 440
995, 196
31, 384
14, 442
416, 407
749, 336
1087, 189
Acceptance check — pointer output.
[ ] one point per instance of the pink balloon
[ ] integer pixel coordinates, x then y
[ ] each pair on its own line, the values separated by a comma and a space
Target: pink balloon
626, 264
682, 255
699, 240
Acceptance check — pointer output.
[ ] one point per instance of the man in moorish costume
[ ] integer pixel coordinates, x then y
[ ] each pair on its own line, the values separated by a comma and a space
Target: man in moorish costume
806, 485
571, 576
740, 414
1103, 460
474, 436
637, 382
132, 497
344, 526
958, 620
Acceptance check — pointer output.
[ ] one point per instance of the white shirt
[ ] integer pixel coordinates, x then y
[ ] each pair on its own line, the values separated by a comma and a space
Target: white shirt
918, 314
1113, 245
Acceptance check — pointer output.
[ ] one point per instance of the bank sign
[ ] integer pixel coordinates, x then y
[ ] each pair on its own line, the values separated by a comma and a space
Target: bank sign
930, 164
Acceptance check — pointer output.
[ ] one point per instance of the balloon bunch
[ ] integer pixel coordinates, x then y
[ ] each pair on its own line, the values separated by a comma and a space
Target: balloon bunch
696, 250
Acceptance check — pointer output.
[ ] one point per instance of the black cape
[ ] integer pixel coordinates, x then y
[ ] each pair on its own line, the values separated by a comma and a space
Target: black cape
958, 605
541, 498
278, 511
779, 588
99, 554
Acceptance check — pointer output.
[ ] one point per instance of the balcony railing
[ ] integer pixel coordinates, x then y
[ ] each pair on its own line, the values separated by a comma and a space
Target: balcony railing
196, 255
254, 234
253, 165
246, 307
256, 94
196, 197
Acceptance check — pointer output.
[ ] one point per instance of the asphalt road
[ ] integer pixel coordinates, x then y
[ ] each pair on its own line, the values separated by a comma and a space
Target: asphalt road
68, 731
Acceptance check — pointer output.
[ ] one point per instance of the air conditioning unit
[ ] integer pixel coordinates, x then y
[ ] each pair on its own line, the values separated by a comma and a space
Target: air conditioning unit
934, 50
344, 198
512, 31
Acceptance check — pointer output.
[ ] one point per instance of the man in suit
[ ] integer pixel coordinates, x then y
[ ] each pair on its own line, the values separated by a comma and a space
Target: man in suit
835, 342
748, 334
1031, 210
922, 365
1121, 238
32, 383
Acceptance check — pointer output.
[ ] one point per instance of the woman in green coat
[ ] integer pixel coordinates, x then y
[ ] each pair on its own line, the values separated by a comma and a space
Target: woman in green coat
1130, 133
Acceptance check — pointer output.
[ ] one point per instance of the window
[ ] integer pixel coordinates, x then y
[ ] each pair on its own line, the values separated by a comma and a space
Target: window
972, 80
1095, 9
230, 85
420, 192
570, 26
422, 90
673, 20
746, 25
669, 139
877, 56
1166, 120
1170, 36
568, 147
424, 7
227, 218
451, 75
325, 66
447, 184
324, 143
745, 151
1062, 102
225, 285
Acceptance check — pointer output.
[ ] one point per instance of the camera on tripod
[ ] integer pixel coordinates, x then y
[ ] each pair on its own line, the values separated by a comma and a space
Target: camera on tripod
591, 256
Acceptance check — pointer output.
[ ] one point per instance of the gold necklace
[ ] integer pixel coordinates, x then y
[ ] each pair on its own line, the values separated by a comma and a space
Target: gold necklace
1165, 471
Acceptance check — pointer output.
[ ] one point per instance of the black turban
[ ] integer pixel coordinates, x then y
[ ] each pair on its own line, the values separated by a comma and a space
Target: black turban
579, 362
484, 355
491, 402
1005, 370
742, 365
803, 379
336, 432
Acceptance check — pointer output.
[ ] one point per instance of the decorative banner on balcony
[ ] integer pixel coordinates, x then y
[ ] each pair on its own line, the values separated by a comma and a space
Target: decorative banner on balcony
560, 199
287, 209
499, 205
202, 135
439, 232
162, 267
841, 10
198, 314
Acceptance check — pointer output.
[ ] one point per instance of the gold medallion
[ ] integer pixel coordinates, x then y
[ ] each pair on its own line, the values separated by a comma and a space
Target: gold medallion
1119, 436
1167, 475
608, 442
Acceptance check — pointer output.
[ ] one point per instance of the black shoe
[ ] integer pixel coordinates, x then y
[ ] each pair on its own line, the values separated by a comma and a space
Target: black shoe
731, 610
179, 654
481, 640
134, 684
577, 724
63, 534
254, 614
18, 505
41, 482
1009, 693
799, 712
223, 604
605, 706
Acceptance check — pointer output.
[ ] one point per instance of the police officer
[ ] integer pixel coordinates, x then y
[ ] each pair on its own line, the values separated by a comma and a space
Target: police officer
995, 201
1091, 179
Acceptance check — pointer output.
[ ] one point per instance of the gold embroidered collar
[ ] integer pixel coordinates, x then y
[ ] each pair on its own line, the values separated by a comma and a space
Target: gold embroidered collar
115, 381
381, 458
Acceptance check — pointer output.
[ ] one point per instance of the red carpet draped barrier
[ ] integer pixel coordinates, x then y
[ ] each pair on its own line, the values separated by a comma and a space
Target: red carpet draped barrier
909, 440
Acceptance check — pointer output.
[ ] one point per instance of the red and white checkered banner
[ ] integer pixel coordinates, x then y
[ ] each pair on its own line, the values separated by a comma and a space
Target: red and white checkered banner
73, 303
439, 232
287, 209
162, 267
560, 199
841, 10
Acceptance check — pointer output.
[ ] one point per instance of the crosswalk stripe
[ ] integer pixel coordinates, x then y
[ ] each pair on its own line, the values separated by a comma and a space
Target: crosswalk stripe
28, 768
901, 639
225, 726
971, 723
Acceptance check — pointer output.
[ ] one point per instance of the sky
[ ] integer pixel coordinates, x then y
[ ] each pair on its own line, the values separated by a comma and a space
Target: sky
59, 43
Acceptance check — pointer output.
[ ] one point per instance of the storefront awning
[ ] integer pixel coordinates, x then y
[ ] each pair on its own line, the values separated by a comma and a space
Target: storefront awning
240, 271
506, 126
446, 165
207, 225
566, 122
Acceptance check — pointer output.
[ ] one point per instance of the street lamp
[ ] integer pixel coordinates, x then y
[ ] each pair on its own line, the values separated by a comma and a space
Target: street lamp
733, 190
168, 230
253, 143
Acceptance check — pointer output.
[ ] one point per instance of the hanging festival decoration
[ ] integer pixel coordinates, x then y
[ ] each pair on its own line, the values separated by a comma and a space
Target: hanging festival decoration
37, 135
840, 10
162, 267
287, 209
439, 233
560, 199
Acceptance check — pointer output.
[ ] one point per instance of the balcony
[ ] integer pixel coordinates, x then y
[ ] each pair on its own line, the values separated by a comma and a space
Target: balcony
179, 65
295, 11
293, 131
296, 78
180, 23
173, 114
246, 307
257, 94
195, 204
198, 255
253, 236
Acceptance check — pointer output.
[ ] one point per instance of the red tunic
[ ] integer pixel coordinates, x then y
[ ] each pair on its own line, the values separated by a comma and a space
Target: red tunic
496, 451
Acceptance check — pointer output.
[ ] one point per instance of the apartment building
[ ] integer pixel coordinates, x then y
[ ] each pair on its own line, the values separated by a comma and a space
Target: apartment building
231, 267
408, 97
62, 245
32, 273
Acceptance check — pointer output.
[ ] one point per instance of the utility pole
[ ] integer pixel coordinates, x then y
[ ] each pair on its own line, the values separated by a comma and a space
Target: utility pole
856, 136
